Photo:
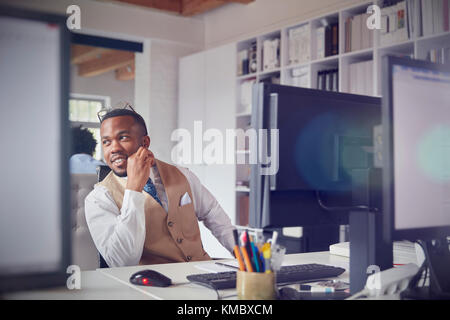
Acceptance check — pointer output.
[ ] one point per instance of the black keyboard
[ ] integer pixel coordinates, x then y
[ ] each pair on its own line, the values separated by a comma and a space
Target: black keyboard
287, 274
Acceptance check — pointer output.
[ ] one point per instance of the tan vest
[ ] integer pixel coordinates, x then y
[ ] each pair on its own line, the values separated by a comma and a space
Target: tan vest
172, 236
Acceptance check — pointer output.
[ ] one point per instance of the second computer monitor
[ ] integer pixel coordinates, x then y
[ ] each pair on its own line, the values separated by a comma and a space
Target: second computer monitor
323, 137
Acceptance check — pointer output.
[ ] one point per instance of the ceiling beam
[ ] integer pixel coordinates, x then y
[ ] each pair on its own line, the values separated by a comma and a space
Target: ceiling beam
166, 5
125, 73
240, 1
107, 62
193, 7
82, 53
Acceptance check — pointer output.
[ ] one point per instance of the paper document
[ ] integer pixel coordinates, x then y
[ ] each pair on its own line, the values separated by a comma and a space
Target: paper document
212, 267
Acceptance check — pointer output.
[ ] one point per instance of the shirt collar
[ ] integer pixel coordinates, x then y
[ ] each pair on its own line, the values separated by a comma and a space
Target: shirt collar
153, 173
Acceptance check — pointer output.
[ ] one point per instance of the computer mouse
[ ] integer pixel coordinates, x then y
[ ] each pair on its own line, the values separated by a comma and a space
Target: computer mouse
150, 278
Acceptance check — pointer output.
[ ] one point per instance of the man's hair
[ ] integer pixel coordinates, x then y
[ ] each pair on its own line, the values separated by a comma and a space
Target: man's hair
125, 112
83, 141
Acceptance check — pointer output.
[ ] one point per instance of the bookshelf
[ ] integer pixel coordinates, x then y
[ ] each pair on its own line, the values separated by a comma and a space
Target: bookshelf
351, 61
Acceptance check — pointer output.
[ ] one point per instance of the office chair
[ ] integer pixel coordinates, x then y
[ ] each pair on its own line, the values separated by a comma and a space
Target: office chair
102, 172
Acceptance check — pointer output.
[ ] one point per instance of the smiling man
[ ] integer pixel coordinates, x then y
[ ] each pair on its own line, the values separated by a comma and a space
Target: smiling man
146, 211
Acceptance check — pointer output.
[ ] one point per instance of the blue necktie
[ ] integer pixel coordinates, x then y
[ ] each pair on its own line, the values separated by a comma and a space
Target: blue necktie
151, 190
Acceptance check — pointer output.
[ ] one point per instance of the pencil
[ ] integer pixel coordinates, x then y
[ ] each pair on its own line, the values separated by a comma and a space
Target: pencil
247, 260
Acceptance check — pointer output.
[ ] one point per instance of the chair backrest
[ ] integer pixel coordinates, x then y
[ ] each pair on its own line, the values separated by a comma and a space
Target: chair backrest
84, 252
102, 172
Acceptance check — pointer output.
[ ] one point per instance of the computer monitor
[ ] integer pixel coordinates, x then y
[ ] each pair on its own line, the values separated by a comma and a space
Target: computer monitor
416, 168
323, 137
35, 226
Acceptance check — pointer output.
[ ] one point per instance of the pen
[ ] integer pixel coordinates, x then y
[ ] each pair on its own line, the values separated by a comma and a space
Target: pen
237, 253
247, 260
255, 256
245, 253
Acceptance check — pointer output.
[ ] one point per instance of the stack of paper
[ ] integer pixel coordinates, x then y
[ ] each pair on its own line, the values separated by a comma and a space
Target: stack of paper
300, 77
246, 96
360, 78
403, 251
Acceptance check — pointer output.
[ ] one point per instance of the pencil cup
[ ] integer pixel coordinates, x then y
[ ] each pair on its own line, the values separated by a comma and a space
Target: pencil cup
255, 286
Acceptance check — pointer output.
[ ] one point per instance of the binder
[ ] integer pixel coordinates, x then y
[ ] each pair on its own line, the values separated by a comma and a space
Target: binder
335, 39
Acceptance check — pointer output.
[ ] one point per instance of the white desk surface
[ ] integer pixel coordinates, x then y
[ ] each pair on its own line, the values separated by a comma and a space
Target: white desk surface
94, 286
113, 283
182, 289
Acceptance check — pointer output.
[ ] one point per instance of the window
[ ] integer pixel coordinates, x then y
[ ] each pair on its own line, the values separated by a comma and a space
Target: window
83, 111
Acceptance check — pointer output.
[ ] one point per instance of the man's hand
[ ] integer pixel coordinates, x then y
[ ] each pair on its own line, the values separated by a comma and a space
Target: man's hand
138, 169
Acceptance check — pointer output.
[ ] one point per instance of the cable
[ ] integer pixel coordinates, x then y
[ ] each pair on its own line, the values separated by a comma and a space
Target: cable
344, 208
362, 294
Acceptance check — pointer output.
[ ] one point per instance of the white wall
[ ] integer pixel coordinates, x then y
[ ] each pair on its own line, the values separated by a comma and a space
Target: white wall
157, 88
237, 22
102, 85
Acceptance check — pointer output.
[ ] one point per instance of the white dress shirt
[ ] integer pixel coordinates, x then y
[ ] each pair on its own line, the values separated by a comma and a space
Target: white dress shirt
119, 235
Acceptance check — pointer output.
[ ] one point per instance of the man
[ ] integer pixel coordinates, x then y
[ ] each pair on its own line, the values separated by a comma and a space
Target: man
146, 211
83, 147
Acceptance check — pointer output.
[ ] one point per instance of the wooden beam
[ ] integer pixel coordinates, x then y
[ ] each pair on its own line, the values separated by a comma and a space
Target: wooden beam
81, 53
107, 62
193, 7
166, 5
125, 73
240, 1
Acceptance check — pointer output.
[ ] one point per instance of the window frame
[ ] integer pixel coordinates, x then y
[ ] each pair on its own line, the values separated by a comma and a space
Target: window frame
105, 101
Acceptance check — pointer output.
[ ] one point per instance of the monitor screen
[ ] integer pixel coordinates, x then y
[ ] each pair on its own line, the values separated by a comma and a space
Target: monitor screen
33, 90
418, 109
421, 131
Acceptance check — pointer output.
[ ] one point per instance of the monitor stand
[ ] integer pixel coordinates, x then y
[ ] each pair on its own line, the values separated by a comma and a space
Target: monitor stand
369, 250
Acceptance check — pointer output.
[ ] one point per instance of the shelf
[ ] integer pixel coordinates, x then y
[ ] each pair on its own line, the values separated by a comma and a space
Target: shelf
399, 45
433, 36
326, 59
243, 114
363, 52
242, 189
297, 65
247, 76
267, 72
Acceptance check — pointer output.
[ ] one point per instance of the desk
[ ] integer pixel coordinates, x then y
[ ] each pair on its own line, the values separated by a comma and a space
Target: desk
113, 283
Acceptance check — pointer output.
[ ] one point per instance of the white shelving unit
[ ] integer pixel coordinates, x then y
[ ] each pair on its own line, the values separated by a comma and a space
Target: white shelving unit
416, 47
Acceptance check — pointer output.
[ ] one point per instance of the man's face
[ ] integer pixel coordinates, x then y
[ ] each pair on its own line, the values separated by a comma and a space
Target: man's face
121, 137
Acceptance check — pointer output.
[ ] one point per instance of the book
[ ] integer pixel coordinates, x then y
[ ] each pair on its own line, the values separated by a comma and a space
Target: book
327, 80
299, 40
334, 39
320, 42
271, 54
